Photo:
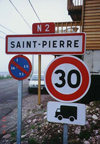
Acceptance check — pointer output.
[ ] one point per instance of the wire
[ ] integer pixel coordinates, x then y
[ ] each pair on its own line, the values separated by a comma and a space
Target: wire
34, 10
7, 28
2, 37
20, 14
2, 32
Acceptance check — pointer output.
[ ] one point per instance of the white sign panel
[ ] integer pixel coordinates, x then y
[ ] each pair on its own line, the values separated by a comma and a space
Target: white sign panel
69, 113
73, 43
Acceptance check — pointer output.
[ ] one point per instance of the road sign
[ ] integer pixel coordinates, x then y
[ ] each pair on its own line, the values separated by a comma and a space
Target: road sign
20, 67
70, 113
73, 43
43, 28
67, 79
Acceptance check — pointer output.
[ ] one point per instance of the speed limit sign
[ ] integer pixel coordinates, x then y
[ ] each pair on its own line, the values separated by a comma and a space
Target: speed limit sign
67, 79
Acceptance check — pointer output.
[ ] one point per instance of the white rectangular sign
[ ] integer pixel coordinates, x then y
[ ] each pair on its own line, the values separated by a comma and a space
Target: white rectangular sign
73, 43
68, 113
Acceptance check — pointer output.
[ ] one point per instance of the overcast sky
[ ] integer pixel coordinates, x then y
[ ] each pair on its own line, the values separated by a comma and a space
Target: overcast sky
20, 21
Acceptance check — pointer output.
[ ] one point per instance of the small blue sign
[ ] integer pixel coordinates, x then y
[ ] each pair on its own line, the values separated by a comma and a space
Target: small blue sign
20, 67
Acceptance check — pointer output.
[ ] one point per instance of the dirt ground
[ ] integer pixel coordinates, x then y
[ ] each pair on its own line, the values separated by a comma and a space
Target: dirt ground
37, 130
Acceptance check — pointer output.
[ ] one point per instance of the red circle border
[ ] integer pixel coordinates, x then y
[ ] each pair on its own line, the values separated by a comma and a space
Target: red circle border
28, 73
85, 84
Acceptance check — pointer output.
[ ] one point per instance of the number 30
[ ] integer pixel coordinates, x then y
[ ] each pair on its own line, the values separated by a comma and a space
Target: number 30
62, 78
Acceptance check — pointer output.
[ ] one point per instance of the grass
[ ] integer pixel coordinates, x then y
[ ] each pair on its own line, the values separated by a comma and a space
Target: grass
85, 135
13, 136
32, 141
54, 139
32, 127
5, 77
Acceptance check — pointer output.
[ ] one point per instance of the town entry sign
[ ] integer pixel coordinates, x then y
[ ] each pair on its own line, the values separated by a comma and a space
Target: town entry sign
73, 43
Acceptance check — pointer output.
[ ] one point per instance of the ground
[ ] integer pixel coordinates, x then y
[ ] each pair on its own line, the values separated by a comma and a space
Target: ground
37, 130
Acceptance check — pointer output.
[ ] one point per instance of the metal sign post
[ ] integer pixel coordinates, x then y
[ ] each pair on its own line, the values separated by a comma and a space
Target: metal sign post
19, 118
41, 28
39, 80
65, 134
66, 113
20, 68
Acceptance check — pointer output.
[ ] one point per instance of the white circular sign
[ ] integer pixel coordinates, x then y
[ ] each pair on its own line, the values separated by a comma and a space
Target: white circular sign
67, 79
61, 76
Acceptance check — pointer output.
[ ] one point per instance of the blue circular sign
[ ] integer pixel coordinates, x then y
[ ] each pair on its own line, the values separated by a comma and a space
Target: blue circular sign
20, 67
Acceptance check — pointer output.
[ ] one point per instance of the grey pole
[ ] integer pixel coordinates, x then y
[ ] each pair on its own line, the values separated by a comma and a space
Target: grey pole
65, 134
19, 116
32, 64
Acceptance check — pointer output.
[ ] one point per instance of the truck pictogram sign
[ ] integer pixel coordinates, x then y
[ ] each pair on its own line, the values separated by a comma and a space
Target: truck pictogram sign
68, 113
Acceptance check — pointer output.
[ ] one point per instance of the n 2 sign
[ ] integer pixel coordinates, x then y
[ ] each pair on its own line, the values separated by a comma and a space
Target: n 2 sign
67, 79
43, 28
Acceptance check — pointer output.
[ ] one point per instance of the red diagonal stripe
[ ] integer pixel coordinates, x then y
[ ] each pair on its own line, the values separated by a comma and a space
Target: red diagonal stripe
19, 67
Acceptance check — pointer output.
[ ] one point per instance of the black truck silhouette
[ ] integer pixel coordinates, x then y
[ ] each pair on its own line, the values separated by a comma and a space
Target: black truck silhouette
68, 112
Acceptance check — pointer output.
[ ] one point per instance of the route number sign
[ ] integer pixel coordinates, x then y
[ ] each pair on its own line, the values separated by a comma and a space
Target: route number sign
67, 79
20, 67
43, 28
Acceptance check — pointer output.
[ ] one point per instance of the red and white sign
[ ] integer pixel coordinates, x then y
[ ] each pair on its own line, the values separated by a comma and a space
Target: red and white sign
73, 43
38, 28
67, 79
